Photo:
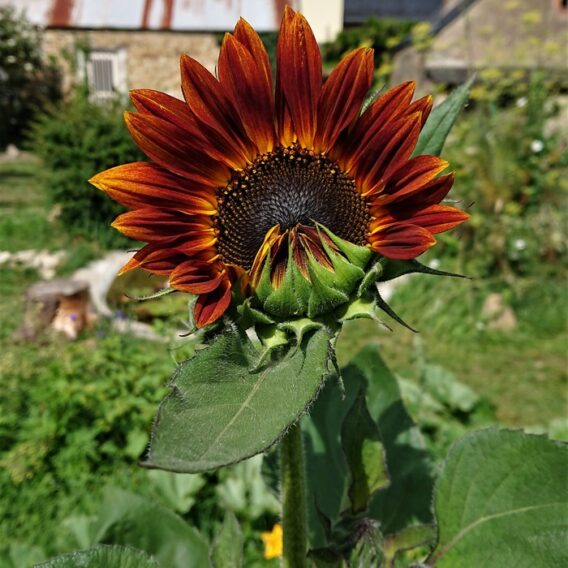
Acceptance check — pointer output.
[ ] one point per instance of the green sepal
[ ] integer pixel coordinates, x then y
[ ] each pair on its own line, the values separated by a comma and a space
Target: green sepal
251, 315
357, 255
360, 308
323, 290
395, 268
271, 338
371, 276
299, 327
389, 311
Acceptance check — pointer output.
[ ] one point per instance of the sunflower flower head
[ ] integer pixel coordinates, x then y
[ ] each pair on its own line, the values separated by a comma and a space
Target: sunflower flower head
278, 193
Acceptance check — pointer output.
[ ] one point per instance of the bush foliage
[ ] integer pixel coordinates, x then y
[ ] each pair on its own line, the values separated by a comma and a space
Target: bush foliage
76, 140
27, 81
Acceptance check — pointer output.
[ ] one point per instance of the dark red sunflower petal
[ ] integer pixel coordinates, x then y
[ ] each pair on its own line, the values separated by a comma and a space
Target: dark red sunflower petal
141, 184
342, 96
423, 106
411, 178
155, 258
216, 114
401, 241
377, 118
244, 77
151, 224
386, 153
439, 218
170, 146
196, 277
284, 124
166, 107
300, 75
211, 306
430, 194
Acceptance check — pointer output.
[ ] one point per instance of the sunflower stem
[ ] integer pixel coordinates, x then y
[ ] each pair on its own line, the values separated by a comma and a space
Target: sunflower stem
293, 497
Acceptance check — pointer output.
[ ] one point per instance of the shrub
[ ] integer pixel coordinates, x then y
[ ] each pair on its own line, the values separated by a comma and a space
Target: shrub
77, 139
27, 81
73, 414
383, 36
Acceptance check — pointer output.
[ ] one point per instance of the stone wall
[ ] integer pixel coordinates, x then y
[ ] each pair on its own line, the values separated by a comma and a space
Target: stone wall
152, 57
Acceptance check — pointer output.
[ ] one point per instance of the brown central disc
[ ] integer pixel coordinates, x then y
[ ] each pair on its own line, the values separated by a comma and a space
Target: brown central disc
287, 187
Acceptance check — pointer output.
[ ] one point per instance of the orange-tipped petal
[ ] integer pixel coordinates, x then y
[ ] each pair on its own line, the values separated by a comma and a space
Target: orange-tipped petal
439, 218
170, 146
244, 77
423, 106
342, 96
166, 107
401, 241
299, 76
141, 184
155, 258
195, 277
410, 179
151, 224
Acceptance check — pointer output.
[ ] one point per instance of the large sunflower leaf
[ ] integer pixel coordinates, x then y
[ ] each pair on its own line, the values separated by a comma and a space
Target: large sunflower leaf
408, 498
132, 520
502, 500
441, 121
365, 455
227, 550
219, 413
102, 557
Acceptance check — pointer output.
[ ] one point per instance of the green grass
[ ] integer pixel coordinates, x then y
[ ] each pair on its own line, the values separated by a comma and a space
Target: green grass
523, 372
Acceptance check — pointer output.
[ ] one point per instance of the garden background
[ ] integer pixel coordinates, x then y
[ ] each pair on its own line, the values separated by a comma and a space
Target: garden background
75, 415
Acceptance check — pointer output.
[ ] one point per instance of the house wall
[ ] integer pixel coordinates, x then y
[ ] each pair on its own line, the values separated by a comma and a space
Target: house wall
152, 57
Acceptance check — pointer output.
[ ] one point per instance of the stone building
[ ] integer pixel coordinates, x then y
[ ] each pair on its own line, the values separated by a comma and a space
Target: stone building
117, 45
486, 36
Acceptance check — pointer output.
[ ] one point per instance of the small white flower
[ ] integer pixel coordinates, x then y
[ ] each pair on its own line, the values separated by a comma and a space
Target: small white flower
520, 244
522, 102
434, 263
10, 59
480, 326
537, 146
28, 66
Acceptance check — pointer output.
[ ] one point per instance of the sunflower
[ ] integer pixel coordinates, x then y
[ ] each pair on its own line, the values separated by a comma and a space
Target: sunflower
244, 176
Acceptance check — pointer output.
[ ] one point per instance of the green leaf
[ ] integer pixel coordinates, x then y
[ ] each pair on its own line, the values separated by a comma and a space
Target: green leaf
502, 500
441, 121
407, 539
177, 490
102, 557
129, 519
408, 498
227, 550
365, 455
219, 413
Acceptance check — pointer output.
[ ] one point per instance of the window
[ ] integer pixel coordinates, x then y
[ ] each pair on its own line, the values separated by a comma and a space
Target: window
106, 73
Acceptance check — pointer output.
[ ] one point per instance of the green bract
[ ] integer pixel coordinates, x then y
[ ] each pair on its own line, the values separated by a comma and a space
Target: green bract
324, 290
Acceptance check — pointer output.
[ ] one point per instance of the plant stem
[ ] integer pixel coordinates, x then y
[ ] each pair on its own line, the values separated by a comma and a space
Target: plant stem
293, 496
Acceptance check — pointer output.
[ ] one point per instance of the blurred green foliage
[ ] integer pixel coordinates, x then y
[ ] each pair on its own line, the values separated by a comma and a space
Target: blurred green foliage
27, 80
75, 140
383, 35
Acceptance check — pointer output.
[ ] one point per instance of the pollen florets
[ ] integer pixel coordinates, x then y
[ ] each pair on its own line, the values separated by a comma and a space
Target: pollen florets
287, 187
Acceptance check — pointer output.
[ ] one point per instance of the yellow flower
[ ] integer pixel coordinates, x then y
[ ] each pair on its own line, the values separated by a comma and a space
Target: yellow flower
273, 543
